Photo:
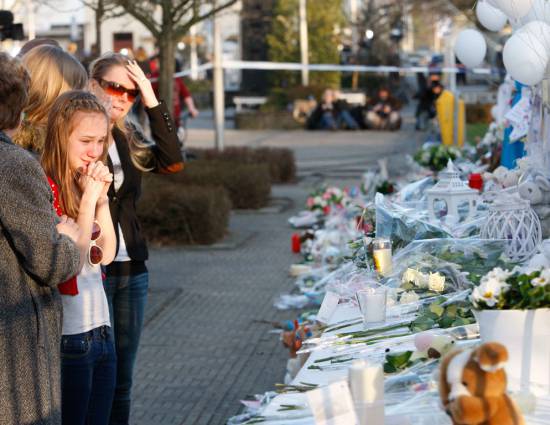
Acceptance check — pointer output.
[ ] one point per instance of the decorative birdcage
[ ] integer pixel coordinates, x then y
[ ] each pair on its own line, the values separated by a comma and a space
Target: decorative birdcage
512, 218
451, 197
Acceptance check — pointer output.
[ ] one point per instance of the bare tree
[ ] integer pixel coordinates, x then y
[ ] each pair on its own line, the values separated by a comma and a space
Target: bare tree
168, 21
103, 10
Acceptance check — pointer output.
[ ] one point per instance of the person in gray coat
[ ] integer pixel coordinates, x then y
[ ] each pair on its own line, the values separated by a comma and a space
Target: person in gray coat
37, 252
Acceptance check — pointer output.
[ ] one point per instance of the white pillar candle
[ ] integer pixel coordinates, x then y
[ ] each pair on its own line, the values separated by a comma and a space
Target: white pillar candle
372, 303
381, 253
366, 383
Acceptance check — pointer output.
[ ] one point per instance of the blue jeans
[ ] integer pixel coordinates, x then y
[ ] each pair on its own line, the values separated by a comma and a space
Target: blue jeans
346, 119
127, 296
328, 122
88, 373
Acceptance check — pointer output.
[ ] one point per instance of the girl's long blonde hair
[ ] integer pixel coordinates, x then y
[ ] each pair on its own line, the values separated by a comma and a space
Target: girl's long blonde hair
53, 72
140, 152
55, 158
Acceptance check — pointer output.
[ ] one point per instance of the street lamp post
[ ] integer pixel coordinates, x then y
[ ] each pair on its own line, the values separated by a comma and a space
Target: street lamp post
304, 45
219, 100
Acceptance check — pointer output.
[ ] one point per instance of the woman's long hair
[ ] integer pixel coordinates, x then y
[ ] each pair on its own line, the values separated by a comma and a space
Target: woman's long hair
55, 158
139, 150
53, 72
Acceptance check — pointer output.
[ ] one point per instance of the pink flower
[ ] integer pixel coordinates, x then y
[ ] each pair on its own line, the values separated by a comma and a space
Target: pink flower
310, 202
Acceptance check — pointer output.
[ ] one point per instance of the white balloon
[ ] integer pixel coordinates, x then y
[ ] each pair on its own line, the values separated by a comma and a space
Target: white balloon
470, 48
537, 30
525, 58
513, 8
490, 17
539, 12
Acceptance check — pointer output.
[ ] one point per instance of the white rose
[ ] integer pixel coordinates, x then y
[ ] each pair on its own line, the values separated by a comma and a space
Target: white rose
409, 275
421, 280
409, 297
436, 282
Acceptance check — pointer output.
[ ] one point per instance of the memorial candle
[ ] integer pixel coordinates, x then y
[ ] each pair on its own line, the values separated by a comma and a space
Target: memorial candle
366, 381
381, 252
372, 303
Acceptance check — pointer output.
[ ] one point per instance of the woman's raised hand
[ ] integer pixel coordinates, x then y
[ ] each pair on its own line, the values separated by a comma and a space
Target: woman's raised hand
146, 89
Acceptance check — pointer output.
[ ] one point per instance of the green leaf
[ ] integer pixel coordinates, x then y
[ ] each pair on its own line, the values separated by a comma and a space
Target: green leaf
422, 324
446, 322
451, 311
437, 309
399, 359
389, 368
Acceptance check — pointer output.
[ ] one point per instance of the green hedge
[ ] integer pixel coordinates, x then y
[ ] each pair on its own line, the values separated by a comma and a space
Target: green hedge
248, 185
281, 162
172, 213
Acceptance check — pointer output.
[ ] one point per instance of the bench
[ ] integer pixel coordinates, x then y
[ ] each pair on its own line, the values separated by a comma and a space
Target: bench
241, 101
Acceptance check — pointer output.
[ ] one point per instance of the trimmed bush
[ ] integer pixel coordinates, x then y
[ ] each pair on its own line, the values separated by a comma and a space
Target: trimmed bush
281, 163
478, 113
248, 185
173, 213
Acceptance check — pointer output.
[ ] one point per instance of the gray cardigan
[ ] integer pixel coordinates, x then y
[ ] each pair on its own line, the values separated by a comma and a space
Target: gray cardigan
34, 258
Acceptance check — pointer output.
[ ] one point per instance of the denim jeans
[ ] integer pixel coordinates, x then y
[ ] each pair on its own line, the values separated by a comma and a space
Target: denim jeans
127, 296
88, 373
346, 119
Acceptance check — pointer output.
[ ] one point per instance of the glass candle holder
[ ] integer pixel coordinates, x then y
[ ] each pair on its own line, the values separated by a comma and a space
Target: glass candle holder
381, 252
372, 303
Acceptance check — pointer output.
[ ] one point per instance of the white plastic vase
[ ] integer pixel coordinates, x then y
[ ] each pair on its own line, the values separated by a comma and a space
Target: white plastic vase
526, 335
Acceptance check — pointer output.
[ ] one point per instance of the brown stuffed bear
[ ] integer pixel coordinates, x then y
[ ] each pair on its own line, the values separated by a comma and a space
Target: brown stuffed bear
472, 387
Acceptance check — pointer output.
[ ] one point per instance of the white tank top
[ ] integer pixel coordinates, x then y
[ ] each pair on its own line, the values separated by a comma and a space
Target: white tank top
89, 309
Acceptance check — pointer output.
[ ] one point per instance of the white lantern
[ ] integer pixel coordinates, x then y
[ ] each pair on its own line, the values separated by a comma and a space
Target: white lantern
490, 17
470, 48
512, 218
525, 57
451, 198
513, 8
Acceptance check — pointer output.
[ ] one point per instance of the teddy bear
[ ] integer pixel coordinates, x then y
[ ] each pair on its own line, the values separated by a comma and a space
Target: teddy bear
430, 345
472, 387
537, 191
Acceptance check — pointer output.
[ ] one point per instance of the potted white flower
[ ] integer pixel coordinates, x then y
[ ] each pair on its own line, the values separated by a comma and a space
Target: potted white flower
513, 308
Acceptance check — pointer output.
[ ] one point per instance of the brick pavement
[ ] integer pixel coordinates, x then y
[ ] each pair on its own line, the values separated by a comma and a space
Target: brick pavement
201, 350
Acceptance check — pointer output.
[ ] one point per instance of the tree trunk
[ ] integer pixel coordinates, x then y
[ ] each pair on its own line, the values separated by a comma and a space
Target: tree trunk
99, 12
167, 59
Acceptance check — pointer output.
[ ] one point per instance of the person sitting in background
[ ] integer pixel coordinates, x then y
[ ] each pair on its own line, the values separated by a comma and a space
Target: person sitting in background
383, 112
331, 114
343, 112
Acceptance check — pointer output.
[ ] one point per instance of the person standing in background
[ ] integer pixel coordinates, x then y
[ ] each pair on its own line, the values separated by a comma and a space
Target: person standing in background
38, 252
120, 80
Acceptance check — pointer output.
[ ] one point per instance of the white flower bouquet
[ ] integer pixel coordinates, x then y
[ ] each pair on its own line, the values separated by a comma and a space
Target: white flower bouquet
512, 290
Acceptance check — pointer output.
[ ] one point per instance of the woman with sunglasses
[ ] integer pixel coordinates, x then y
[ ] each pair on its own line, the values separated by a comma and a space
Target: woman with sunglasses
120, 80
75, 146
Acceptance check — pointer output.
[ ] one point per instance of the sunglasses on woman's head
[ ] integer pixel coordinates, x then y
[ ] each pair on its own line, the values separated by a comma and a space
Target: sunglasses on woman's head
95, 254
115, 89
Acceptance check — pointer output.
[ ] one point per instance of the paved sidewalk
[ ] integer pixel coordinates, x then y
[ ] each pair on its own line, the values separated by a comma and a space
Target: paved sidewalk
201, 348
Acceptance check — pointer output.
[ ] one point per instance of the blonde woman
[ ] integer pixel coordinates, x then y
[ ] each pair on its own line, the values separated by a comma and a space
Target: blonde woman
53, 72
114, 77
76, 145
